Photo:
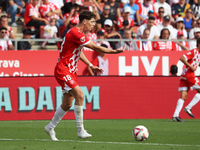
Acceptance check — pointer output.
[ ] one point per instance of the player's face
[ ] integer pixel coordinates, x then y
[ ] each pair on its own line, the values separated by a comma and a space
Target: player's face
90, 24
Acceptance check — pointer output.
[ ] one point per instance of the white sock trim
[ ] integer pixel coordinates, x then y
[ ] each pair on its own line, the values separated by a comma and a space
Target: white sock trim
78, 112
179, 106
194, 101
58, 115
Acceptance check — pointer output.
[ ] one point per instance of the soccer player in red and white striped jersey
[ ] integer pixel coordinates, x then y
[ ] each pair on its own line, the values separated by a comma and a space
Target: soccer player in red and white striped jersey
66, 72
188, 81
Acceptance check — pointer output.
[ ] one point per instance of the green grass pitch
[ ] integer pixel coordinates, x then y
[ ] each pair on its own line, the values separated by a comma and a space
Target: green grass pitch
107, 135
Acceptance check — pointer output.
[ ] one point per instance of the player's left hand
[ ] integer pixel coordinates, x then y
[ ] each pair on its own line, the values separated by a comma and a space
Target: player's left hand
97, 69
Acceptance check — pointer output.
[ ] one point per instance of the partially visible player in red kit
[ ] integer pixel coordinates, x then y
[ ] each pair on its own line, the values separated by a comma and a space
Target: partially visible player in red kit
66, 72
188, 81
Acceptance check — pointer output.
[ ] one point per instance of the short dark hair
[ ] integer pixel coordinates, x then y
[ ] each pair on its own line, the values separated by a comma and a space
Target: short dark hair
3, 16
151, 18
173, 69
3, 28
161, 8
86, 15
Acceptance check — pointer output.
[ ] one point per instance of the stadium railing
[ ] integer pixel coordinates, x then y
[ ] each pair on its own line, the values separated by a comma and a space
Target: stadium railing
109, 40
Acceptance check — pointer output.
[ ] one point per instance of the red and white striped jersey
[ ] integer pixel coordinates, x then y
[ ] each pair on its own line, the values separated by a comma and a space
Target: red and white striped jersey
71, 49
30, 10
4, 45
193, 58
179, 48
145, 45
143, 10
45, 8
120, 22
74, 20
163, 46
157, 21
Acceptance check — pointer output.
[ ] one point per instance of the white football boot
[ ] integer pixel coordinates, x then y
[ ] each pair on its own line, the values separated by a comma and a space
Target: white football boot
51, 133
83, 134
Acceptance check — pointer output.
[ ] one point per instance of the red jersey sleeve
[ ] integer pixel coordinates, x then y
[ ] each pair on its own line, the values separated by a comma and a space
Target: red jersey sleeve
79, 37
189, 55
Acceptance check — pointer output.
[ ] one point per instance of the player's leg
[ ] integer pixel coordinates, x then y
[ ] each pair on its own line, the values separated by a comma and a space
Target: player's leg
58, 115
179, 106
194, 101
78, 111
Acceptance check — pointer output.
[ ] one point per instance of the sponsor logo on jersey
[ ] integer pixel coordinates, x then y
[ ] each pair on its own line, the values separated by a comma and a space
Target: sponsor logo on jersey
82, 39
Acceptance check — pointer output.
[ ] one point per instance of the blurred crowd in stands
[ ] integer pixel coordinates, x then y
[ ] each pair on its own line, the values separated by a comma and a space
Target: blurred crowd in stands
115, 19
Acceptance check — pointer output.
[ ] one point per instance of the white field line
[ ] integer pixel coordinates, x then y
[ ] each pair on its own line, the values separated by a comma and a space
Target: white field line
99, 142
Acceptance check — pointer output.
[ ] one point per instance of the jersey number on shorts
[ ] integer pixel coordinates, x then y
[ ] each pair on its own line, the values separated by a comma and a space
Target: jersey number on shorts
67, 78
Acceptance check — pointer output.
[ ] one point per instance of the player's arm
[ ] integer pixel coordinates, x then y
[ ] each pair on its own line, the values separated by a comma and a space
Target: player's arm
101, 49
183, 59
84, 59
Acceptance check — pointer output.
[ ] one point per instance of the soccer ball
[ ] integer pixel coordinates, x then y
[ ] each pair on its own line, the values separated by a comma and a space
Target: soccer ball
140, 133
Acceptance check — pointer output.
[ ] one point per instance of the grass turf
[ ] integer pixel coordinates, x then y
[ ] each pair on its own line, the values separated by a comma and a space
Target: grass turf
107, 135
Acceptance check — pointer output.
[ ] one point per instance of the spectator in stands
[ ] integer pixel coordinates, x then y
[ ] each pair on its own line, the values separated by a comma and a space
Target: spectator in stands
193, 43
160, 16
130, 45
197, 25
49, 10
102, 62
68, 5
144, 8
179, 26
71, 17
154, 34
50, 31
166, 24
58, 3
5, 45
134, 14
114, 10
165, 6
196, 9
100, 35
150, 14
125, 16
32, 17
15, 7
180, 45
163, 45
93, 6
109, 33
4, 23
179, 9
25, 45
188, 21
145, 45
105, 15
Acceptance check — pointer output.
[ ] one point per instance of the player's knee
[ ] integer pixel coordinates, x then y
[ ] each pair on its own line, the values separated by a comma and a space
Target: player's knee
80, 96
